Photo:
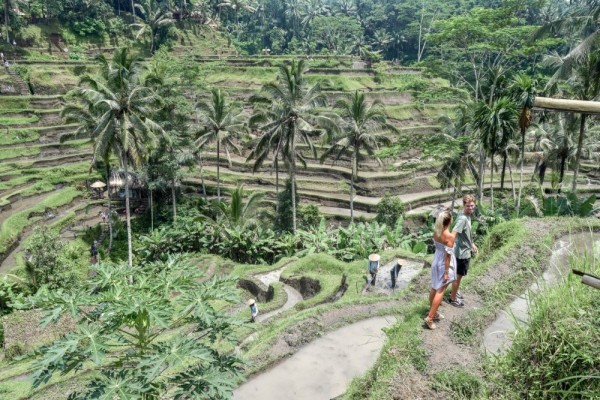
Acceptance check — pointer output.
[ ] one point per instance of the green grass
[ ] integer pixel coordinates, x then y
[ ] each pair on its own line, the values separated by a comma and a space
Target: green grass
18, 152
17, 136
14, 103
556, 354
19, 120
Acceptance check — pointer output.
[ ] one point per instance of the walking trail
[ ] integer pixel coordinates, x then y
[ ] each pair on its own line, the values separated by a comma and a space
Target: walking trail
498, 336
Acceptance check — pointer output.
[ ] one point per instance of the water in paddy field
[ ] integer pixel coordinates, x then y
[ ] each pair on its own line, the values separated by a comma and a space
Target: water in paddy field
323, 369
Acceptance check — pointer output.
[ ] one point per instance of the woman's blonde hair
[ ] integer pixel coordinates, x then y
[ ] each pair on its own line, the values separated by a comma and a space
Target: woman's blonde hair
442, 222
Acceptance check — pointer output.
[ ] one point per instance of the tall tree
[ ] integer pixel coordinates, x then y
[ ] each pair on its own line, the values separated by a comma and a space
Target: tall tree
291, 104
496, 124
362, 128
154, 17
220, 124
122, 106
523, 88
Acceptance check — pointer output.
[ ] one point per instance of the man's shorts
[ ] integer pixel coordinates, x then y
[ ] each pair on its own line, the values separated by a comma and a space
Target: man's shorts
462, 266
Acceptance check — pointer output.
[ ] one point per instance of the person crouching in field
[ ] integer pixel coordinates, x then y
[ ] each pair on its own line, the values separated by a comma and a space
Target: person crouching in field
443, 267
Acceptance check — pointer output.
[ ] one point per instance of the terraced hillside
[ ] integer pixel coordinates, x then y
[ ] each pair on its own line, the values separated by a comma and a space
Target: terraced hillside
42, 175
38, 155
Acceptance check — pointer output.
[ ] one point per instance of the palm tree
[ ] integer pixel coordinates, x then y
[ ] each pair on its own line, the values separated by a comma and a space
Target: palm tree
313, 9
557, 143
154, 17
363, 127
82, 112
266, 144
236, 6
291, 107
121, 105
582, 62
584, 78
221, 125
457, 135
238, 213
496, 125
523, 88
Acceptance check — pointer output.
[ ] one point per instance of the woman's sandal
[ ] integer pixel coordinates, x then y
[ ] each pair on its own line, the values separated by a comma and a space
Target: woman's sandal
429, 323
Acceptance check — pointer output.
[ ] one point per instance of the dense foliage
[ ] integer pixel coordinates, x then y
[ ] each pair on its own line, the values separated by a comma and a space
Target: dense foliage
127, 332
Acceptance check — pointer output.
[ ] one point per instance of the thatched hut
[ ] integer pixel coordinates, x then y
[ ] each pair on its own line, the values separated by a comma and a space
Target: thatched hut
137, 187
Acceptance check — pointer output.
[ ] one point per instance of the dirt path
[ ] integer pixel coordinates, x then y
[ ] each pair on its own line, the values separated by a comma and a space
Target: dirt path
444, 353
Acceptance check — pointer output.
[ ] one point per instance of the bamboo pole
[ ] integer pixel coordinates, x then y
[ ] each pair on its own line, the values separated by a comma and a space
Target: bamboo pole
578, 106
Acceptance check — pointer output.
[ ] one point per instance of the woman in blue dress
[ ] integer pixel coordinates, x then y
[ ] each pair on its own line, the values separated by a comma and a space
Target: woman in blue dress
443, 267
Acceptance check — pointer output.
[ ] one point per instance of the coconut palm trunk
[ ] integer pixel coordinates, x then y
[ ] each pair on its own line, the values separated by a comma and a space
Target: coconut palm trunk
110, 227
521, 169
481, 172
353, 174
151, 211
201, 165
218, 170
174, 198
512, 182
293, 173
277, 182
128, 214
492, 181
579, 148
6, 22
503, 173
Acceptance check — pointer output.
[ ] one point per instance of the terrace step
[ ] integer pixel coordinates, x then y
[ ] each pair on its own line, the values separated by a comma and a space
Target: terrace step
22, 87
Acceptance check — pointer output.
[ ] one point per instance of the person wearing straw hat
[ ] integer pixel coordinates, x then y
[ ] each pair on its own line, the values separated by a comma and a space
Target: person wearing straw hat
253, 310
373, 266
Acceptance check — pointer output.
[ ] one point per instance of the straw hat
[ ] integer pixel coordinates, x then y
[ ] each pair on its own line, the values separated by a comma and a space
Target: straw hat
250, 302
374, 257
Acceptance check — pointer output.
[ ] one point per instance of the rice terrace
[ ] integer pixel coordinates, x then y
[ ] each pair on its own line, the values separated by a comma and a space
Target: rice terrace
299, 199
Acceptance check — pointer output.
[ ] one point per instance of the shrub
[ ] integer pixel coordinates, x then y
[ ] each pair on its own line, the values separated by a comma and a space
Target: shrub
389, 210
309, 216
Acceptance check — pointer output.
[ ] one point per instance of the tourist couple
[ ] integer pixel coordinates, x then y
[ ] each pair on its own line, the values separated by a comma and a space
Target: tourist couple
451, 259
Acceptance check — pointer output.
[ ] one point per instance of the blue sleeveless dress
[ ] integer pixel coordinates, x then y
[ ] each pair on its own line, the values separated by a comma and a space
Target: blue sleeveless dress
438, 266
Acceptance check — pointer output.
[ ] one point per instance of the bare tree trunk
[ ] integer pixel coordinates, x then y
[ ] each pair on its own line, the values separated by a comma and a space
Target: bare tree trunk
277, 183
503, 173
202, 176
354, 170
579, 148
492, 182
110, 226
151, 212
218, 170
6, 22
521, 173
512, 183
174, 199
293, 175
453, 198
481, 172
128, 216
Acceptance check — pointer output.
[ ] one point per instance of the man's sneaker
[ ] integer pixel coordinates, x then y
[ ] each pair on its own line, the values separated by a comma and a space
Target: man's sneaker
459, 295
456, 303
